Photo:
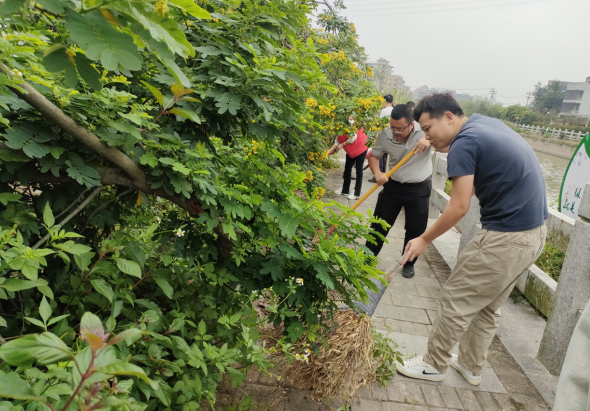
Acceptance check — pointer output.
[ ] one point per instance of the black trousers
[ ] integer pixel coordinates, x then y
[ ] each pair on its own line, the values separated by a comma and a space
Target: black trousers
357, 161
383, 163
415, 201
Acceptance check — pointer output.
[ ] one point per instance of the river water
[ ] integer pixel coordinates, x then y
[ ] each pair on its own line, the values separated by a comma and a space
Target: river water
553, 169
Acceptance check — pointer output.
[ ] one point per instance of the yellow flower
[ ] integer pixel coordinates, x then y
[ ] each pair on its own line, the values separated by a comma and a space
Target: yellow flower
161, 8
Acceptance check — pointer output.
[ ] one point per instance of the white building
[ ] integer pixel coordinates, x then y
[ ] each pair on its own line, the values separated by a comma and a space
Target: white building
576, 101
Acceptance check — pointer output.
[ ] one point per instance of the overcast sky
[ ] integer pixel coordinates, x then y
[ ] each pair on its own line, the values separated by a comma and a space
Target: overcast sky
477, 44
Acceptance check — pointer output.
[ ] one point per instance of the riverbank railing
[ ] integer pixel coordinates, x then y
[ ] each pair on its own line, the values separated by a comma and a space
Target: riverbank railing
552, 132
561, 302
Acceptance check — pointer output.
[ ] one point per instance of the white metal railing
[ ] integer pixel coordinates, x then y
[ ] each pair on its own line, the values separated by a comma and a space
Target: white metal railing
552, 132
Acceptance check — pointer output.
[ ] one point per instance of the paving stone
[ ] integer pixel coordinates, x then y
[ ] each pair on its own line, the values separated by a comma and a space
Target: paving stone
431, 315
378, 323
421, 329
263, 397
412, 392
423, 281
487, 401
450, 397
529, 403
373, 392
432, 396
504, 402
394, 391
400, 326
469, 400
402, 313
394, 406
413, 301
430, 292
364, 405
401, 288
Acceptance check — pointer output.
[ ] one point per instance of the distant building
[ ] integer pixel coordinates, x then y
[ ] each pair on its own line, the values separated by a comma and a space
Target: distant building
463, 97
427, 91
576, 101
381, 74
423, 91
397, 82
562, 84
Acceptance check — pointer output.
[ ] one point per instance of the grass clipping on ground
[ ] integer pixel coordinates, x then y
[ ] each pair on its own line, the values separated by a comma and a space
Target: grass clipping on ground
348, 359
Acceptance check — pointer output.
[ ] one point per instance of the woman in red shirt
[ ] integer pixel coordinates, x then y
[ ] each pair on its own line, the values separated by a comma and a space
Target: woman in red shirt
356, 151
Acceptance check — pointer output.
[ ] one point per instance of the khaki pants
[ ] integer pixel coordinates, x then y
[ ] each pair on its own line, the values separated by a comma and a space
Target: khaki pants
469, 302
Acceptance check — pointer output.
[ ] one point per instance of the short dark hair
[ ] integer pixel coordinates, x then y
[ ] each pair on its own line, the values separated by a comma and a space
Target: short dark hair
436, 105
388, 98
411, 104
402, 111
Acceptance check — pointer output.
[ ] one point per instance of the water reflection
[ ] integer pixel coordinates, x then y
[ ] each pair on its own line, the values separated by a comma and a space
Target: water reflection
553, 169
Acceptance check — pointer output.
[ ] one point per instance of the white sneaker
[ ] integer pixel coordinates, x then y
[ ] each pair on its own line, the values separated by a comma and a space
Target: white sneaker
416, 368
339, 192
353, 197
473, 379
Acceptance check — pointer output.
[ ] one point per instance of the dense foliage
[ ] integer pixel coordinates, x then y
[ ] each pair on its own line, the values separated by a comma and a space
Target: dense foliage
161, 168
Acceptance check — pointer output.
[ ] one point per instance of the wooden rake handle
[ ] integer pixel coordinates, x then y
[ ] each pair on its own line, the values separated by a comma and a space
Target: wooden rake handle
376, 186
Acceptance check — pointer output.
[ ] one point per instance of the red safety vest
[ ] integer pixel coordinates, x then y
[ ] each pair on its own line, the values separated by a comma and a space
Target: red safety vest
358, 147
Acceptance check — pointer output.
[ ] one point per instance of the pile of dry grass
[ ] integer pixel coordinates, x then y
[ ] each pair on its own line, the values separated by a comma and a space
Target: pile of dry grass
345, 362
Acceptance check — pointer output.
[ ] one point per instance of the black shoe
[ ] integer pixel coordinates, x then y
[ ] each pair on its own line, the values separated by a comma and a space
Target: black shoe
373, 180
408, 271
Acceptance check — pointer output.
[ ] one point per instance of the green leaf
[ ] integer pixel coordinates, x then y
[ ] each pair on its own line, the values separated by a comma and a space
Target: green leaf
157, 93
102, 287
3, 322
45, 348
35, 321
48, 218
272, 211
12, 386
90, 75
9, 7
295, 330
56, 319
129, 267
56, 59
45, 290
73, 248
91, 324
245, 403
165, 286
45, 310
125, 368
288, 225
202, 328
5, 198
123, 335
53, 6
15, 284
191, 115
191, 8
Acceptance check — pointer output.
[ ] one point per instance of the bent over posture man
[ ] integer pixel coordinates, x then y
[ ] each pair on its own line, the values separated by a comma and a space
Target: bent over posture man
490, 159
410, 186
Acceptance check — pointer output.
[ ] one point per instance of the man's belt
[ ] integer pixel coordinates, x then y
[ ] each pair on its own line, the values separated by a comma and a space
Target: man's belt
421, 183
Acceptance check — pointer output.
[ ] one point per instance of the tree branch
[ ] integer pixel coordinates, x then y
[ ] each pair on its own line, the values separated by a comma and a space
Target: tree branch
69, 126
102, 206
71, 215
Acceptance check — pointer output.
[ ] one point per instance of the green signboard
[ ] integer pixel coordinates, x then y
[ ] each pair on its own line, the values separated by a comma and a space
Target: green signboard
575, 179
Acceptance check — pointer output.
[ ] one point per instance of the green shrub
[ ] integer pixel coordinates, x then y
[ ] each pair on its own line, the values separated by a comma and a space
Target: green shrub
551, 261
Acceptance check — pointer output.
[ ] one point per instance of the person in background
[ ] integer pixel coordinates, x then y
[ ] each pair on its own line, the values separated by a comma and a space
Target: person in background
409, 187
385, 112
486, 158
356, 151
412, 105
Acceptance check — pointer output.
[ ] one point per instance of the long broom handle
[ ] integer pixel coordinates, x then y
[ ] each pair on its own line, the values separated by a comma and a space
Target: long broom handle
376, 186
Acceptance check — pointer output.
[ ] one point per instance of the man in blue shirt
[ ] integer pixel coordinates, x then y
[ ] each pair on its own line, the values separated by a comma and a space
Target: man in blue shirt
490, 160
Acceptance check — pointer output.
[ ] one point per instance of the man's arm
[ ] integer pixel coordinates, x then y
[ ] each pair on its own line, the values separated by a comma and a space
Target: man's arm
461, 193
380, 177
